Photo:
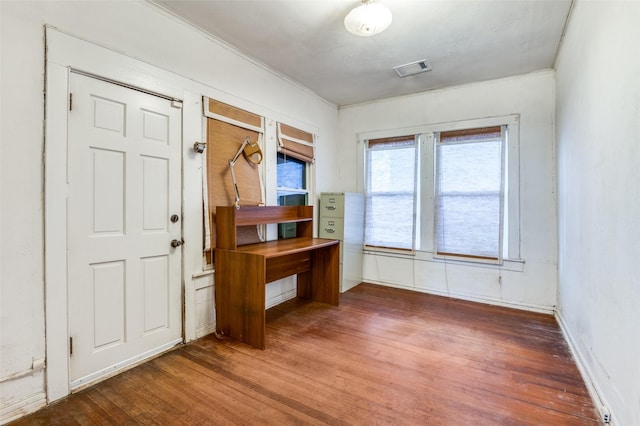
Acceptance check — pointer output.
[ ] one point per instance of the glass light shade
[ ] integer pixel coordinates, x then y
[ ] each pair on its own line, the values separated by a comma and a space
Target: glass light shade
368, 19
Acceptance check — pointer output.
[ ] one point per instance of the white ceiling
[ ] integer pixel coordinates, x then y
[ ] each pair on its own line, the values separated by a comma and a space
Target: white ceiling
463, 41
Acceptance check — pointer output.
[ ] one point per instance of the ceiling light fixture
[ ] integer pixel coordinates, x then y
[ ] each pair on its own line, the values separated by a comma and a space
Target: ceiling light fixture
368, 19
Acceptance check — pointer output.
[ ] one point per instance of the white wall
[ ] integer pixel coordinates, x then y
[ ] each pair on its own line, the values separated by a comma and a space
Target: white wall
141, 31
529, 285
598, 132
598, 139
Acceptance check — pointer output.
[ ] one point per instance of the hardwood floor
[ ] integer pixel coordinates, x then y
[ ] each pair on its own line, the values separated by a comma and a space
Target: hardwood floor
384, 356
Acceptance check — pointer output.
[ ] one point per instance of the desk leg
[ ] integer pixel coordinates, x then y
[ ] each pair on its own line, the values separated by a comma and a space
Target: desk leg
322, 282
240, 296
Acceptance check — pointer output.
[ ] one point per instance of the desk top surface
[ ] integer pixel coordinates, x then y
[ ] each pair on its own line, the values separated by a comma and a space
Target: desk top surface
287, 246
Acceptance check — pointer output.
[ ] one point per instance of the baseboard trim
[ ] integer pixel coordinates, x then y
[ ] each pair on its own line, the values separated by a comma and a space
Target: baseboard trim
204, 331
23, 407
120, 367
550, 310
587, 376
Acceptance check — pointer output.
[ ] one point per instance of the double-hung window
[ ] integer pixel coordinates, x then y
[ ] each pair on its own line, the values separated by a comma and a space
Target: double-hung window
292, 189
469, 193
294, 159
448, 189
292, 181
391, 192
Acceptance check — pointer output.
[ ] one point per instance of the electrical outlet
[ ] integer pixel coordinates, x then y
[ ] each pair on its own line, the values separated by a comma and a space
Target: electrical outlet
606, 415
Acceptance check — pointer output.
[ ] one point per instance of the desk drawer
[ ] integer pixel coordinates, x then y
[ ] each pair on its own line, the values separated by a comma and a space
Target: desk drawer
284, 266
331, 227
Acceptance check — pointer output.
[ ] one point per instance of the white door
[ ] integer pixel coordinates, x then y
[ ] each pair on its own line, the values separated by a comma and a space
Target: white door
124, 179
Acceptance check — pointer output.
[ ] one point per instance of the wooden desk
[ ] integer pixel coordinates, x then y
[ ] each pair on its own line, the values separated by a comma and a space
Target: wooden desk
243, 271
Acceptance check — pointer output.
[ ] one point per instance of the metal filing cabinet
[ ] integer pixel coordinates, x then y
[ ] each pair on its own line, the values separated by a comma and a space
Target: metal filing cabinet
342, 218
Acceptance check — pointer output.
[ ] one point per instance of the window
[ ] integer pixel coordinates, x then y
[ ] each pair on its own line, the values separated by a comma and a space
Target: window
469, 193
292, 180
227, 128
390, 192
447, 191
295, 156
292, 189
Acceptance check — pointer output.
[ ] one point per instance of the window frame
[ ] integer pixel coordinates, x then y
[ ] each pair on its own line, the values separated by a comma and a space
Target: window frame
416, 188
502, 209
272, 144
224, 128
298, 144
285, 229
426, 182
306, 178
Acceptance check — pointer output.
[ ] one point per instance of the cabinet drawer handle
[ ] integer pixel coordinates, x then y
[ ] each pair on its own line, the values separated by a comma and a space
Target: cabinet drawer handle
331, 207
329, 230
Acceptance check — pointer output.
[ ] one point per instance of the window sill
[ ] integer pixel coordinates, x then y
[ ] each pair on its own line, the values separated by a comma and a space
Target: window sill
389, 250
515, 265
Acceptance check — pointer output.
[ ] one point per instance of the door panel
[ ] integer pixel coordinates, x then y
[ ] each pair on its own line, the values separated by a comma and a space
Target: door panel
155, 126
155, 193
155, 282
124, 184
107, 191
108, 304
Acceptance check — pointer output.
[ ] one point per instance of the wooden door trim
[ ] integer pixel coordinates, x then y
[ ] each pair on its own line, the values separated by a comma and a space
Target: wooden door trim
64, 53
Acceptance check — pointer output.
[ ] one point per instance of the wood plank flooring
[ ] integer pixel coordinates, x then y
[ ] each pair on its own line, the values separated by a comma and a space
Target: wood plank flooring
384, 356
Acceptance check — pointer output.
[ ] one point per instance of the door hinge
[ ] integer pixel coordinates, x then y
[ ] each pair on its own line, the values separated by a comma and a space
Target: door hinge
70, 345
70, 101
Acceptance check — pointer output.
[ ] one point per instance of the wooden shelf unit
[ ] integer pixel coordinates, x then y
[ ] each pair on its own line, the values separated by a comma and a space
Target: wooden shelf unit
228, 218
243, 271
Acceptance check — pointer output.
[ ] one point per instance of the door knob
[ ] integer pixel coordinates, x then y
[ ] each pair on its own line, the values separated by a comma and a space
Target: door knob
176, 243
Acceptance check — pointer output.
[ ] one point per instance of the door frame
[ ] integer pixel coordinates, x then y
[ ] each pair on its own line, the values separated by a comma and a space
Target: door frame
63, 53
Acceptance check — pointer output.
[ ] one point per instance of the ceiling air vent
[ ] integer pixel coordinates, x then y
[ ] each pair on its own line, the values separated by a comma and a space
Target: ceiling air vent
412, 68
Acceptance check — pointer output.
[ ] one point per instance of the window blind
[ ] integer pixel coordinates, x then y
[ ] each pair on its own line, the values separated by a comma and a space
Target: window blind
390, 192
296, 143
470, 193
227, 128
